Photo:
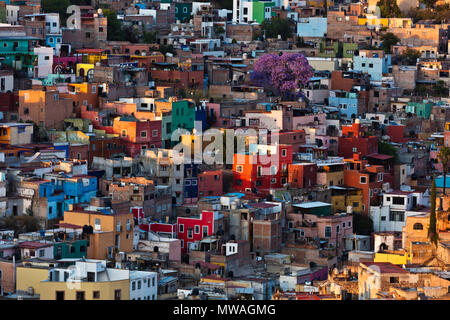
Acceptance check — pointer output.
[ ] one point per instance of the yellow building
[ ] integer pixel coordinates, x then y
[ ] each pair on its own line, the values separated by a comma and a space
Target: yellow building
394, 257
109, 290
344, 197
16, 133
86, 280
112, 232
84, 68
30, 277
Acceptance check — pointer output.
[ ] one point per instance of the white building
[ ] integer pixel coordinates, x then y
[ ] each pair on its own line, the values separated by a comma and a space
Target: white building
3, 199
396, 206
45, 61
143, 285
12, 14
6, 81
52, 23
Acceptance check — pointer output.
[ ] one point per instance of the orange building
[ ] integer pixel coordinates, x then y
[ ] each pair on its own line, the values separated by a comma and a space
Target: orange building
112, 232
47, 108
82, 94
369, 178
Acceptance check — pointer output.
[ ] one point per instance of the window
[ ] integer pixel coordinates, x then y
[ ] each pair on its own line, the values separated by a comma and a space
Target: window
380, 176
117, 294
398, 200
393, 279
80, 295
59, 295
283, 153
47, 58
327, 232
100, 29
355, 204
363, 180
197, 229
239, 168
97, 224
96, 295
88, 35
383, 218
182, 243
124, 133
143, 134
370, 65
396, 216
181, 228
205, 231
418, 226
190, 234
139, 284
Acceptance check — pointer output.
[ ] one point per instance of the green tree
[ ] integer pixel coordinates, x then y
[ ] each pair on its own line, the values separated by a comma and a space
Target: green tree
444, 157
131, 34
150, 37
440, 89
410, 56
432, 234
389, 9
388, 149
299, 42
389, 39
218, 30
115, 28
56, 6
362, 224
167, 48
275, 27
20, 224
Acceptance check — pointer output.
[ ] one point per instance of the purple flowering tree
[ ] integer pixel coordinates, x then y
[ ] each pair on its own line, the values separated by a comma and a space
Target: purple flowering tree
283, 75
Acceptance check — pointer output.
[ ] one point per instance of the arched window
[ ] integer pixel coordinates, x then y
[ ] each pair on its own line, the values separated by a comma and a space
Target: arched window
418, 226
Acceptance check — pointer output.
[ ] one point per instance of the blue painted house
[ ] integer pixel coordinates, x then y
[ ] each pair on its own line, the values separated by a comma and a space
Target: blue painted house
346, 102
190, 182
81, 188
312, 27
374, 62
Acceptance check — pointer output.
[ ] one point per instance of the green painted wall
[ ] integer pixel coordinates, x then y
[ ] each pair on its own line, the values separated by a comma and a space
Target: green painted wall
259, 9
62, 250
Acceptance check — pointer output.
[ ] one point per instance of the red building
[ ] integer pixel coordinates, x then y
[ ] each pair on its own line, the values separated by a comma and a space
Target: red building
396, 132
355, 140
302, 175
210, 183
193, 229
138, 214
261, 172
105, 147
138, 135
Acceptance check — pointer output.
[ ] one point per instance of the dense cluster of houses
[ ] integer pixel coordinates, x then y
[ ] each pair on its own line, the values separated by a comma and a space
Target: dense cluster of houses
94, 204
